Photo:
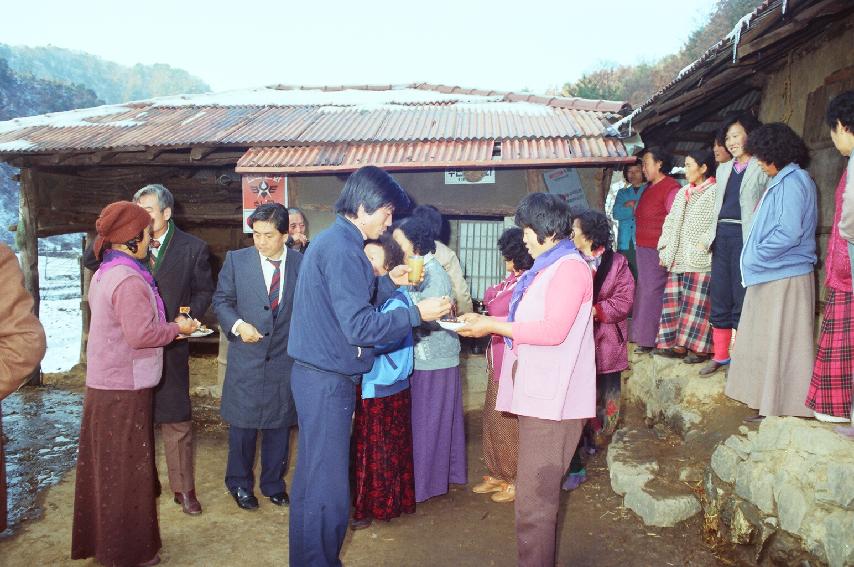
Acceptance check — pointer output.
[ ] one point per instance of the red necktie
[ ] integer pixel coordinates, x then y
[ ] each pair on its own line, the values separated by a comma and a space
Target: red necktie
274, 286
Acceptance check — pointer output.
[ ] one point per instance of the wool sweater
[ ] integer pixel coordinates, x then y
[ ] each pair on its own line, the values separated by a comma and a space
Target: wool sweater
680, 247
838, 268
126, 335
652, 209
435, 347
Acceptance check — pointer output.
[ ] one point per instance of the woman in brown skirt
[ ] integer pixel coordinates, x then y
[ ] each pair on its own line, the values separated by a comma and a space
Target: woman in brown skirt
501, 429
773, 358
115, 514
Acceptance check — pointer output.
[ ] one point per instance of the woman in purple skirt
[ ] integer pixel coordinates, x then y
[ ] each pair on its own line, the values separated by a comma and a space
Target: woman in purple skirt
438, 432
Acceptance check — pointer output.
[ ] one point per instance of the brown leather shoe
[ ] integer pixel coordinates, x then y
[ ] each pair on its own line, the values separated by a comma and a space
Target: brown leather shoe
189, 503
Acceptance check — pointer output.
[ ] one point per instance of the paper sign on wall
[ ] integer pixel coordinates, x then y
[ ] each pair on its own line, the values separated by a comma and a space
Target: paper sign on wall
260, 189
469, 176
566, 183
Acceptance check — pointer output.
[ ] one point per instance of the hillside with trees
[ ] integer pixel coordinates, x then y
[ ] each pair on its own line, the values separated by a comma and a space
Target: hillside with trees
637, 83
113, 83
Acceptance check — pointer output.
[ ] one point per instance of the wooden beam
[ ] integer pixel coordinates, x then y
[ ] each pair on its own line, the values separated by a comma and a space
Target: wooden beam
27, 239
200, 152
534, 181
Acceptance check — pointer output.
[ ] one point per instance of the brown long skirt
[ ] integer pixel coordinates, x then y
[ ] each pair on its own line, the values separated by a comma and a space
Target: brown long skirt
772, 361
500, 433
115, 511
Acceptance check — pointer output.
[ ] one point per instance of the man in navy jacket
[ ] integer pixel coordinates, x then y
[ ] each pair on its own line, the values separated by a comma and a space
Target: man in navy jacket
335, 304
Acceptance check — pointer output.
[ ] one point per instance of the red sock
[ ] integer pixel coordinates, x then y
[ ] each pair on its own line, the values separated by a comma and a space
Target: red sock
720, 341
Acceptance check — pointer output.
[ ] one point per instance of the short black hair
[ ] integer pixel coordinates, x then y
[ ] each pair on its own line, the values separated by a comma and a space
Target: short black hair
372, 188
662, 155
275, 213
626, 169
704, 157
391, 250
513, 248
841, 108
433, 217
419, 232
749, 122
545, 214
777, 144
595, 227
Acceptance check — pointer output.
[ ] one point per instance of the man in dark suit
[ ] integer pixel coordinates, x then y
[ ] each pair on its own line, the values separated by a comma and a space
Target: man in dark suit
181, 268
253, 302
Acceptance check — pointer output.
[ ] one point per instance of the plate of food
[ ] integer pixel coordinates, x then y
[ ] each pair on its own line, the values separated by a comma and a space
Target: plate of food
451, 324
202, 331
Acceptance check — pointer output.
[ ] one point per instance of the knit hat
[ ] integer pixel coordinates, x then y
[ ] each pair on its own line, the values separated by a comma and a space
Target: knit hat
118, 223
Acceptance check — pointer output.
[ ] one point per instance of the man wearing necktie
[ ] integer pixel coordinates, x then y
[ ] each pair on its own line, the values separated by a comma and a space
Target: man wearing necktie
253, 302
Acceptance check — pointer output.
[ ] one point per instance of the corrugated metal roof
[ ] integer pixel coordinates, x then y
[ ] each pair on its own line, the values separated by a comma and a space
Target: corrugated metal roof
289, 116
433, 154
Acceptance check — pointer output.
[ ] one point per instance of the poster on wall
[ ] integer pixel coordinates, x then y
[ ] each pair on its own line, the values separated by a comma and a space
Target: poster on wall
469, 176
566, 183
260, 189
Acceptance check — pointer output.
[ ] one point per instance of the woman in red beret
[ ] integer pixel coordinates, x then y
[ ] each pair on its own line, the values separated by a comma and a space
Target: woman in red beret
115, 513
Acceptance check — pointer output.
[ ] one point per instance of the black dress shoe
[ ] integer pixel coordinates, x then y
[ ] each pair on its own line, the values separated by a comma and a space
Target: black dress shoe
280, 499
245, 499
643, 350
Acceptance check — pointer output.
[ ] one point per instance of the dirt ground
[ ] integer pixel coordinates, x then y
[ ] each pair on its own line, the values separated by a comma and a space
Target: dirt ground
458, 529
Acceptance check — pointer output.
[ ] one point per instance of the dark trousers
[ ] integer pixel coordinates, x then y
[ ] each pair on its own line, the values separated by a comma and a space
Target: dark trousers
241, 458
631, 258
320, 495
725, 289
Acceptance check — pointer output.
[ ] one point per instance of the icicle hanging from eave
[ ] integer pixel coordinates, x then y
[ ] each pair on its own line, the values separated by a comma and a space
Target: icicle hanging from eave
735, 34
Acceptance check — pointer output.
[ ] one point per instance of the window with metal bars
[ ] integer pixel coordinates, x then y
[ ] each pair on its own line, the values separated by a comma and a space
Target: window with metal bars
477, 249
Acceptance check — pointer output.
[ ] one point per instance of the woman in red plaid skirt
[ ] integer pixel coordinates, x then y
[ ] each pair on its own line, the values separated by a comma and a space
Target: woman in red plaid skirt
829, 395
684, 329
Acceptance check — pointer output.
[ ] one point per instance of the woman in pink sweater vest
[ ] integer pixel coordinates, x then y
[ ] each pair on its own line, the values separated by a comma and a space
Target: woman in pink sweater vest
115, 512
548, 375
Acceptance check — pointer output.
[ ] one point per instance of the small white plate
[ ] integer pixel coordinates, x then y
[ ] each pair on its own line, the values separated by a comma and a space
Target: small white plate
452, 325
200, 333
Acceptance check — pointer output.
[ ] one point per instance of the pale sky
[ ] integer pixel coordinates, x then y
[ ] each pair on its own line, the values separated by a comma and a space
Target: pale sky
497, 44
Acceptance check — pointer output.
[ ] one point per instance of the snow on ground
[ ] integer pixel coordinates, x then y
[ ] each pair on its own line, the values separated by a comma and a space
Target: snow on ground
59, 312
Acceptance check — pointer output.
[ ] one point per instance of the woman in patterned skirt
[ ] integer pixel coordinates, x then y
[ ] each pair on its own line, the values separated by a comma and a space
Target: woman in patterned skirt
501, 429
382, 432
684, 329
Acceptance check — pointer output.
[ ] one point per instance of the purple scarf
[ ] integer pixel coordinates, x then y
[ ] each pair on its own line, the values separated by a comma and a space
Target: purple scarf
113, 258
563, 248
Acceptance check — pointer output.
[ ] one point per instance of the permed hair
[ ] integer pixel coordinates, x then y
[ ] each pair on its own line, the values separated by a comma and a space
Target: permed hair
704, 157
777, 144
513, 248
660, 154
419, 232
595, 227
545, 214
841, 109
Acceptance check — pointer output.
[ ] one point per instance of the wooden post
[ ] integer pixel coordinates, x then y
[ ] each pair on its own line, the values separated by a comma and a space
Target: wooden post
535, 181
604, 187
85, 313
27, 239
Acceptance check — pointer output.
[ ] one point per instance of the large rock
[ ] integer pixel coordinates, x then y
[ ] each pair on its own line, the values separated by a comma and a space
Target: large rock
672, 392
661, 508
793, 474
633, 477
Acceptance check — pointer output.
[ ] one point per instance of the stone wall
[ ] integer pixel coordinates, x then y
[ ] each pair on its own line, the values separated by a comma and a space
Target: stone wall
785, 492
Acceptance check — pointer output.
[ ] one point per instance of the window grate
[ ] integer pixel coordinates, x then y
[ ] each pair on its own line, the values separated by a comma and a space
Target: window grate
479, 256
